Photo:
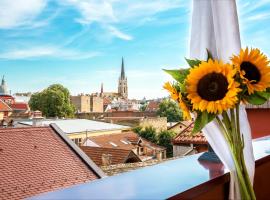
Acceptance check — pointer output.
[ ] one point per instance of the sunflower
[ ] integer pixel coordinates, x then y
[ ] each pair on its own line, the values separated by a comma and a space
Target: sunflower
211, 87
172, 90
184, 108
254, 69
178, 97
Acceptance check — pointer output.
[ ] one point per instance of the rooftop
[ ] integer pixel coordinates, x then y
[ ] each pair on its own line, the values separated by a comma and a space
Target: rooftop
4, 107
125, 140
186, 136
78, 125
40, 159
118, 156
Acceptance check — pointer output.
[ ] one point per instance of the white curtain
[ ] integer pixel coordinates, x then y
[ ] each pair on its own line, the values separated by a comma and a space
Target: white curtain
215, 27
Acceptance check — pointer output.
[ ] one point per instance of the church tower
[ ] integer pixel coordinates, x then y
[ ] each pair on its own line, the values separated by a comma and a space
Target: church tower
122, 84
3, 87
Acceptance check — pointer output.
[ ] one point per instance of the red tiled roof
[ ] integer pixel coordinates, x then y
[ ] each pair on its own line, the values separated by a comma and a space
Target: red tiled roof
152, 106
6, 97
125, 140
19, 106
36, 160
186, 137
4, 107
118, 156
104, 140
106, 101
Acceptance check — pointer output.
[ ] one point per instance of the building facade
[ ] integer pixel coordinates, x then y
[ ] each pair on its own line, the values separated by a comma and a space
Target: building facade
81, 103
96, 104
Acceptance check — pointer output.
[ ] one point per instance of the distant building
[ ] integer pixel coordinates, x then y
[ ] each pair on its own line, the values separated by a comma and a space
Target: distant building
152, 106
159, 123
96, 104
19, 108
81, 103
122, 86
145, 149
186, 143
5, 110
3, 87
110, 156
122, 83
79, 129
41, 159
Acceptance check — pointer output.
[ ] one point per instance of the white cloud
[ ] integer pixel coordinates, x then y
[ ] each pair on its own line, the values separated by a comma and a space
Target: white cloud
93, 10
46, 52
19, 12
260, 16
119, 34
110, 13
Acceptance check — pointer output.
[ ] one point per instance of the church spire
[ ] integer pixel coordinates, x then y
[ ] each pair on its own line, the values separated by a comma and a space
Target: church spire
3, 80
123, 76
101, 89
3, 87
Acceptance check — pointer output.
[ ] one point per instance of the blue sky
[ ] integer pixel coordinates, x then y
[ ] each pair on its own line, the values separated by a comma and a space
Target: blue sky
79, 43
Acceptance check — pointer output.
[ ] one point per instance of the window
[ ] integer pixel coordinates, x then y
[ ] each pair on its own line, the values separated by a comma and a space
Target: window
77, 141
113, 144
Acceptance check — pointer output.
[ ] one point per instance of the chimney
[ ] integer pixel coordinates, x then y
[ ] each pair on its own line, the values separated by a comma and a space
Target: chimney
159, 155
37, 118
106, 159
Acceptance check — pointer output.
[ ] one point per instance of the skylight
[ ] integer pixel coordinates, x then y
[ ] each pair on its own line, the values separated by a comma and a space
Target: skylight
113, 144
123, 141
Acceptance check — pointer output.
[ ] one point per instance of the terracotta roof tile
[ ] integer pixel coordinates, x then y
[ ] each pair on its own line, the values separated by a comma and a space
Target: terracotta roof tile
119, 139
19, 106
4, 107
125, 140
152, 106
37, 160
186, 137
118, 156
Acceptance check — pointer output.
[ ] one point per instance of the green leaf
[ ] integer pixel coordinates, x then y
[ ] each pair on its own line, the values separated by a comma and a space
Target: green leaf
193, 63
265, 94
202, 119
256, 98
182, 87
178, 74
209, 55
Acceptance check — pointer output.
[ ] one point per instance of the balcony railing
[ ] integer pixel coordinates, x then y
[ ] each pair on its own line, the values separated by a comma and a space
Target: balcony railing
184, 178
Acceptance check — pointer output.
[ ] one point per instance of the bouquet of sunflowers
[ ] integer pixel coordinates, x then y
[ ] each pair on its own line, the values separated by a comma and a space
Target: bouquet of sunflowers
213, 90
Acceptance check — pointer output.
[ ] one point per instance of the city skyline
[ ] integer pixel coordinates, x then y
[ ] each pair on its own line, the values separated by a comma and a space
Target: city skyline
80, 43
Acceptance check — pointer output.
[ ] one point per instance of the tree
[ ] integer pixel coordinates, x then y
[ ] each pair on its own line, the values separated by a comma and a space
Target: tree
170, 109
148, 133
53, 102
164, 139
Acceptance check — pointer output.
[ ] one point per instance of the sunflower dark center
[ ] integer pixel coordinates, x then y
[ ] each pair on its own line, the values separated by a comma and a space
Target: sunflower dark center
251, 72
212, 87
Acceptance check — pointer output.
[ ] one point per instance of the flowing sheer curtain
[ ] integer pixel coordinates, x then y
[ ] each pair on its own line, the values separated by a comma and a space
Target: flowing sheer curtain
215, 27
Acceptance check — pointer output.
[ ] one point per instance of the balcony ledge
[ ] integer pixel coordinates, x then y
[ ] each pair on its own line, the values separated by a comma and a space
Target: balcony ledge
183, 178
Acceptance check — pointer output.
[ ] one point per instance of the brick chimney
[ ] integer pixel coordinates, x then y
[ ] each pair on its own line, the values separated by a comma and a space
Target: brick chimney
37, 118
159, 155
106, 159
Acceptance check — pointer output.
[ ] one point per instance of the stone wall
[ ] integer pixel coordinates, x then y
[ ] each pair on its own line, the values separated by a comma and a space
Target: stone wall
121, 168
159, 123
81, 103
96, 104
